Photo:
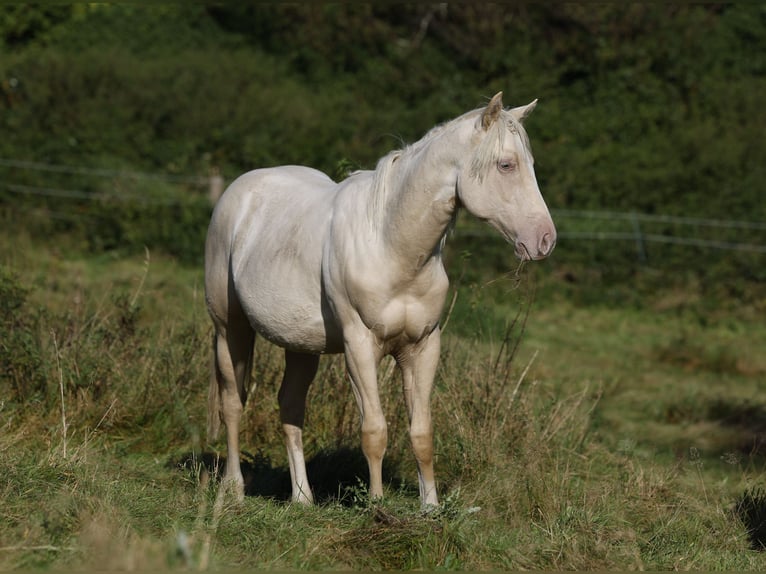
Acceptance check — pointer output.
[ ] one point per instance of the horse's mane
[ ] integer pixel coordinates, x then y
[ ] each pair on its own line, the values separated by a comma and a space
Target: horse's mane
380, 185
485, 155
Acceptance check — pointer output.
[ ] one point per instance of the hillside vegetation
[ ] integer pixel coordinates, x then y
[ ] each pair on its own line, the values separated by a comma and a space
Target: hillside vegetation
647, 108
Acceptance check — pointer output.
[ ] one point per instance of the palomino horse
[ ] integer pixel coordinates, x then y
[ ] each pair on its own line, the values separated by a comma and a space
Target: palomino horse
356, 267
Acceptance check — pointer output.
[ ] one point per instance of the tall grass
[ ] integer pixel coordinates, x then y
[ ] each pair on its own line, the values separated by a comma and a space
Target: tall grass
105, 464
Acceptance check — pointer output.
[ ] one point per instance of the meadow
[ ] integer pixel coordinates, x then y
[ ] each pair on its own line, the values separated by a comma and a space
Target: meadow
568, 436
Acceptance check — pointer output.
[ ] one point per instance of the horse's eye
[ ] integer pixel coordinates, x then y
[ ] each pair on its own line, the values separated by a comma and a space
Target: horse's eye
506, 165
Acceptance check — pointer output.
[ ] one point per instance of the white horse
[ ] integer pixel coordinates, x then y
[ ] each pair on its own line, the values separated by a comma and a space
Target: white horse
356, 267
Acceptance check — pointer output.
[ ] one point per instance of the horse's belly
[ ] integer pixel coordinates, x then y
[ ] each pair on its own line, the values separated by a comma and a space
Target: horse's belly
279, 289
292, 318
276, 261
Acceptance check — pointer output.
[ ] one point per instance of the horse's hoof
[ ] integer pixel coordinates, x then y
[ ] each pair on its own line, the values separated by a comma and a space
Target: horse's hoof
234, 486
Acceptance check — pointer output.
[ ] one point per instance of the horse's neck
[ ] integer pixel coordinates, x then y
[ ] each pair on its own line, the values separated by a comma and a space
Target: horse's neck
422, 201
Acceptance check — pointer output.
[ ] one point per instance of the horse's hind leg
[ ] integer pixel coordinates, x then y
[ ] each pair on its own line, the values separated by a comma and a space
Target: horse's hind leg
300, 370
233, 349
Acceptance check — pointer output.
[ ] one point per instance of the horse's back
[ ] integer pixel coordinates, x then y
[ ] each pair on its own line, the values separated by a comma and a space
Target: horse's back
264, 247
271, 187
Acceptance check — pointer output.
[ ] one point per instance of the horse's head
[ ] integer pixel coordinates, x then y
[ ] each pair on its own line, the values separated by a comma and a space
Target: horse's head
498, 184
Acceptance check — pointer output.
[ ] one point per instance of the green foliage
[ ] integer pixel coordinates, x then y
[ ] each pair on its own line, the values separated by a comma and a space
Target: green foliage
647, 108
22, 24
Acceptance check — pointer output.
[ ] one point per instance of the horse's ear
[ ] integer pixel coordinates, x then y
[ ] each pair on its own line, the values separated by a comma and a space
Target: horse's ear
522, 112
492, 111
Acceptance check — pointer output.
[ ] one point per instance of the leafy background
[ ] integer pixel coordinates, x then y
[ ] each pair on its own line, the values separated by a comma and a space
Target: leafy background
647, 108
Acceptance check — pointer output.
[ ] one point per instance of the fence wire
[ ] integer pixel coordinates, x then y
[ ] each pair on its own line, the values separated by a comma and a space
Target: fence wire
100, 172
637, 222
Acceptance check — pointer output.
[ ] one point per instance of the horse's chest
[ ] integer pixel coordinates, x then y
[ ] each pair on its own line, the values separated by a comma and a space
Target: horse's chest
405, 316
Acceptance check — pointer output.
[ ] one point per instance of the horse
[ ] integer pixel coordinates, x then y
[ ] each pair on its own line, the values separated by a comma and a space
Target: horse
355, 267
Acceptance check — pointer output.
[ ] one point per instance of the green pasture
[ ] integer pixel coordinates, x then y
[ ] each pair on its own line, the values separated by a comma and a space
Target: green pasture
568, 437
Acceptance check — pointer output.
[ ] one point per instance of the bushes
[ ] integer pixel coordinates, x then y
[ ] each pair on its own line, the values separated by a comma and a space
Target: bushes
652, 109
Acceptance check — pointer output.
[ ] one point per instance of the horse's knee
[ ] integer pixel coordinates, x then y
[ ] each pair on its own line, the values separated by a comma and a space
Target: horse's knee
422, 445
374, 437
231, 407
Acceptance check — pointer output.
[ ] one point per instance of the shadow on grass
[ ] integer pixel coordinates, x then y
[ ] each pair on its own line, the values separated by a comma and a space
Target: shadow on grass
751, 510
750, 422
748, 419
334, 474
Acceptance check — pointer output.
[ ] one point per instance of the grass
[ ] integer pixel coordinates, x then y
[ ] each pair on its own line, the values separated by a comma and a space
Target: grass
569, 438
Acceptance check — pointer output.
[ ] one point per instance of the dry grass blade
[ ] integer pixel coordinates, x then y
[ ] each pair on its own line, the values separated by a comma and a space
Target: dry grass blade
64, 425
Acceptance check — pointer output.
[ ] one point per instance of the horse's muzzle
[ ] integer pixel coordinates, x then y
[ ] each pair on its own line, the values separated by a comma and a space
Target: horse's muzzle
539, 248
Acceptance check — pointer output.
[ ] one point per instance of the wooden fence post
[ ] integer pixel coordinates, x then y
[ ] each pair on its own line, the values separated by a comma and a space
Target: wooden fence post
639, 237
216, 185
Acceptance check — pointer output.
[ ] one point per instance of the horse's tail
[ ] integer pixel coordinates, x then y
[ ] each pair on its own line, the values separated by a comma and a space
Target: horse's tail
214, 399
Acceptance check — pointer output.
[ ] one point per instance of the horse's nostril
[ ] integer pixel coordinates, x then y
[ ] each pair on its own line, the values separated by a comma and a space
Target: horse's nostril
547, 243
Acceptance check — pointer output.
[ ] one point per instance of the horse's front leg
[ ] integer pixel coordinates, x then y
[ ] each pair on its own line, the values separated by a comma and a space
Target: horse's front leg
362, 358
418, 365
